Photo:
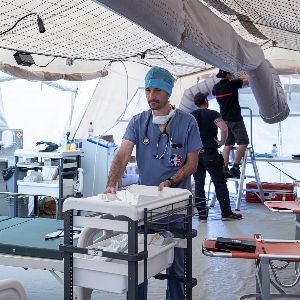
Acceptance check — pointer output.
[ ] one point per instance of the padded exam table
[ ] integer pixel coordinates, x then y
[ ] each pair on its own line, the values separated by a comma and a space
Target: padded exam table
23, 244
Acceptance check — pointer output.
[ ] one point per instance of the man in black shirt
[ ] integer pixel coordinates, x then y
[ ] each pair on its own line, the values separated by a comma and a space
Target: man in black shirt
211, 160
226, 93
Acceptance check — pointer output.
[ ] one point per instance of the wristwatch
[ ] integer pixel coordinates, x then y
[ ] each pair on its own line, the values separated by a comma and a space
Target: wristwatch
173, 183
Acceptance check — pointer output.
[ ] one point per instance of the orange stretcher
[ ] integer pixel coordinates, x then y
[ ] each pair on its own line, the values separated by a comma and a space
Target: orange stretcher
267, 251
292, 207
283, 206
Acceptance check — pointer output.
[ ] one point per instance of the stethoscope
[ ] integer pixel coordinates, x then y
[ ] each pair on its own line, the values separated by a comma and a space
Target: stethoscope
146, 140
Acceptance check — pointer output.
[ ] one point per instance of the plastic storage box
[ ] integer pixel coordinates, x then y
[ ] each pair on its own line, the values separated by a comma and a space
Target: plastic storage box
22, 206
50, 188
112, 276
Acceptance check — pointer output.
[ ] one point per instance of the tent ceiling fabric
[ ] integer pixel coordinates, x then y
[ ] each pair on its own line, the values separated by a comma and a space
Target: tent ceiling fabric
265, 22
178, 35
89, 32
188, 25
86, 32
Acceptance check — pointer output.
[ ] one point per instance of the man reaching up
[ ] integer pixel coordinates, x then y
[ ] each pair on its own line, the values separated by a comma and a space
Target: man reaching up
226, 93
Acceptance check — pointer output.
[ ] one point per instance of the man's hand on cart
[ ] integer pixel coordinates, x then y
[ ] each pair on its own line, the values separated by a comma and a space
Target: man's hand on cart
110, 190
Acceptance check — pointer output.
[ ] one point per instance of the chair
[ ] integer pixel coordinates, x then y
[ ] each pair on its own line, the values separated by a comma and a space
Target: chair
11, 289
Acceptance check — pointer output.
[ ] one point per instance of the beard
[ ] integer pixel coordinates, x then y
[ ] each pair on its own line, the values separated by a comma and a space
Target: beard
154, 104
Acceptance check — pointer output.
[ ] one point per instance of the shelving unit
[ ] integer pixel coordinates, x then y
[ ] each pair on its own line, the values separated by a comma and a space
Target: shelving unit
58, 189
83, 267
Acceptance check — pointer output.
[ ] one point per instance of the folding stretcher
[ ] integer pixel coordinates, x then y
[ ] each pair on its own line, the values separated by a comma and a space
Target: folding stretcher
283, 206
286, 207
267, 251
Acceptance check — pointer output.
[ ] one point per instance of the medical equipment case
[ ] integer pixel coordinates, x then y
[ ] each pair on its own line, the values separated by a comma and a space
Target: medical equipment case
272, 191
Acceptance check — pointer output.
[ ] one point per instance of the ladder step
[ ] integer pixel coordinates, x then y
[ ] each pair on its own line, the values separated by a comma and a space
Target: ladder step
249, 158
233, 179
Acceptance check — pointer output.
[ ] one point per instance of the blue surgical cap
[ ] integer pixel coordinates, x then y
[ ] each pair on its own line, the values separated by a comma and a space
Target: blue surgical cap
159, 78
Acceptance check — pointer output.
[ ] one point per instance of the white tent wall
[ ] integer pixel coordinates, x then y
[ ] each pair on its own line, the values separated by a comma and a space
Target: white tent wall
109, 100
284, 134
116, 98
43, 112
113, 104
3, 122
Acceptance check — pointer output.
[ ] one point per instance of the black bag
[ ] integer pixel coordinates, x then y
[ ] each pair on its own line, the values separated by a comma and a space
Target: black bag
235, 244
8, 173
50, 146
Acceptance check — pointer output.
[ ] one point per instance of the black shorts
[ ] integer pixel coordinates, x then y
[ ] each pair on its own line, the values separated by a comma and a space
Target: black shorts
237, 133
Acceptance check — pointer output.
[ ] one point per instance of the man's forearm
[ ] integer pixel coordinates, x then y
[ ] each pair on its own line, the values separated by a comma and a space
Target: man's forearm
116, 171
223, 137
183, 173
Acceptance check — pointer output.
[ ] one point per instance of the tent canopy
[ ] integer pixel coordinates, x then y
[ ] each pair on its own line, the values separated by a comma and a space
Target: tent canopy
84, 37
93, 35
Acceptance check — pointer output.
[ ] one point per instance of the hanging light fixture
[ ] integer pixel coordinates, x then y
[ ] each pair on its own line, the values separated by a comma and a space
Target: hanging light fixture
40, 24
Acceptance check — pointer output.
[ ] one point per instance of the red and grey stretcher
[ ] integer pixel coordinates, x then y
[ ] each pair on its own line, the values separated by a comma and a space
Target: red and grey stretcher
283, 206
267, 251
292, 207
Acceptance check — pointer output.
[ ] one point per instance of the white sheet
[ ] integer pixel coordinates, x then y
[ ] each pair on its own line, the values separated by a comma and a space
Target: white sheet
130, 202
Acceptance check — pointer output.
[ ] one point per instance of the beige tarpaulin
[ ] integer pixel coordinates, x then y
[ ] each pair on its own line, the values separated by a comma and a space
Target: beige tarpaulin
194, 28
48, 76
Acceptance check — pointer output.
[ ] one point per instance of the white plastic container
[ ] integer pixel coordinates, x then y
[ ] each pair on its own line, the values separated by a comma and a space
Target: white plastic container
90, 130
50, 188
112, 276
274, 150
22, 206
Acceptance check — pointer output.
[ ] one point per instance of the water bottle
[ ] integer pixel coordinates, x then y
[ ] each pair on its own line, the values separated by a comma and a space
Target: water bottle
274, 150
91, 130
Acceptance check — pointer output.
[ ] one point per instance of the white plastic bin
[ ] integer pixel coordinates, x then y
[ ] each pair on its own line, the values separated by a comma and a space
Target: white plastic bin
22, 206
50, 188
112, 276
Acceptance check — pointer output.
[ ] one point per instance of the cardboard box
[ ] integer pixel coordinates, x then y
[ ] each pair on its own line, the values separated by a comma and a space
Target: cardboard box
162, 238
272, 191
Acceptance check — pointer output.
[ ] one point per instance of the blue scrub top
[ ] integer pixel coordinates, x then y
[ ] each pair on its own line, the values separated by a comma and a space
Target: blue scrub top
183, 135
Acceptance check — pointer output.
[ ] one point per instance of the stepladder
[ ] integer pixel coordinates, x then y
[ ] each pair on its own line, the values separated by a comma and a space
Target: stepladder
249, 158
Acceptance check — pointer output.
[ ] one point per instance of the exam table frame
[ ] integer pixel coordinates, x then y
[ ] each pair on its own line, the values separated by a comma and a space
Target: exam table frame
267, 250
149, 222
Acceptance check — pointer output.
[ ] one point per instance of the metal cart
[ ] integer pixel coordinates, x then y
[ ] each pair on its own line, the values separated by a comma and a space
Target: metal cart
154, 217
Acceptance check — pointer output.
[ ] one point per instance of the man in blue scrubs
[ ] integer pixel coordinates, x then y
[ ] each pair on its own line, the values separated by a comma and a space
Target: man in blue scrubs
167, 144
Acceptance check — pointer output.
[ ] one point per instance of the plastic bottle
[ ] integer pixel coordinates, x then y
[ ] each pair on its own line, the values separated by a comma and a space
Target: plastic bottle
78, 183
73, 145
91, 130
68, 145
274, 150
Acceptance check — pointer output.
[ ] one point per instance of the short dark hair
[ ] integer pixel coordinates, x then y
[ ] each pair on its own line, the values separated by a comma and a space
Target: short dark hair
222, 74
200, 98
